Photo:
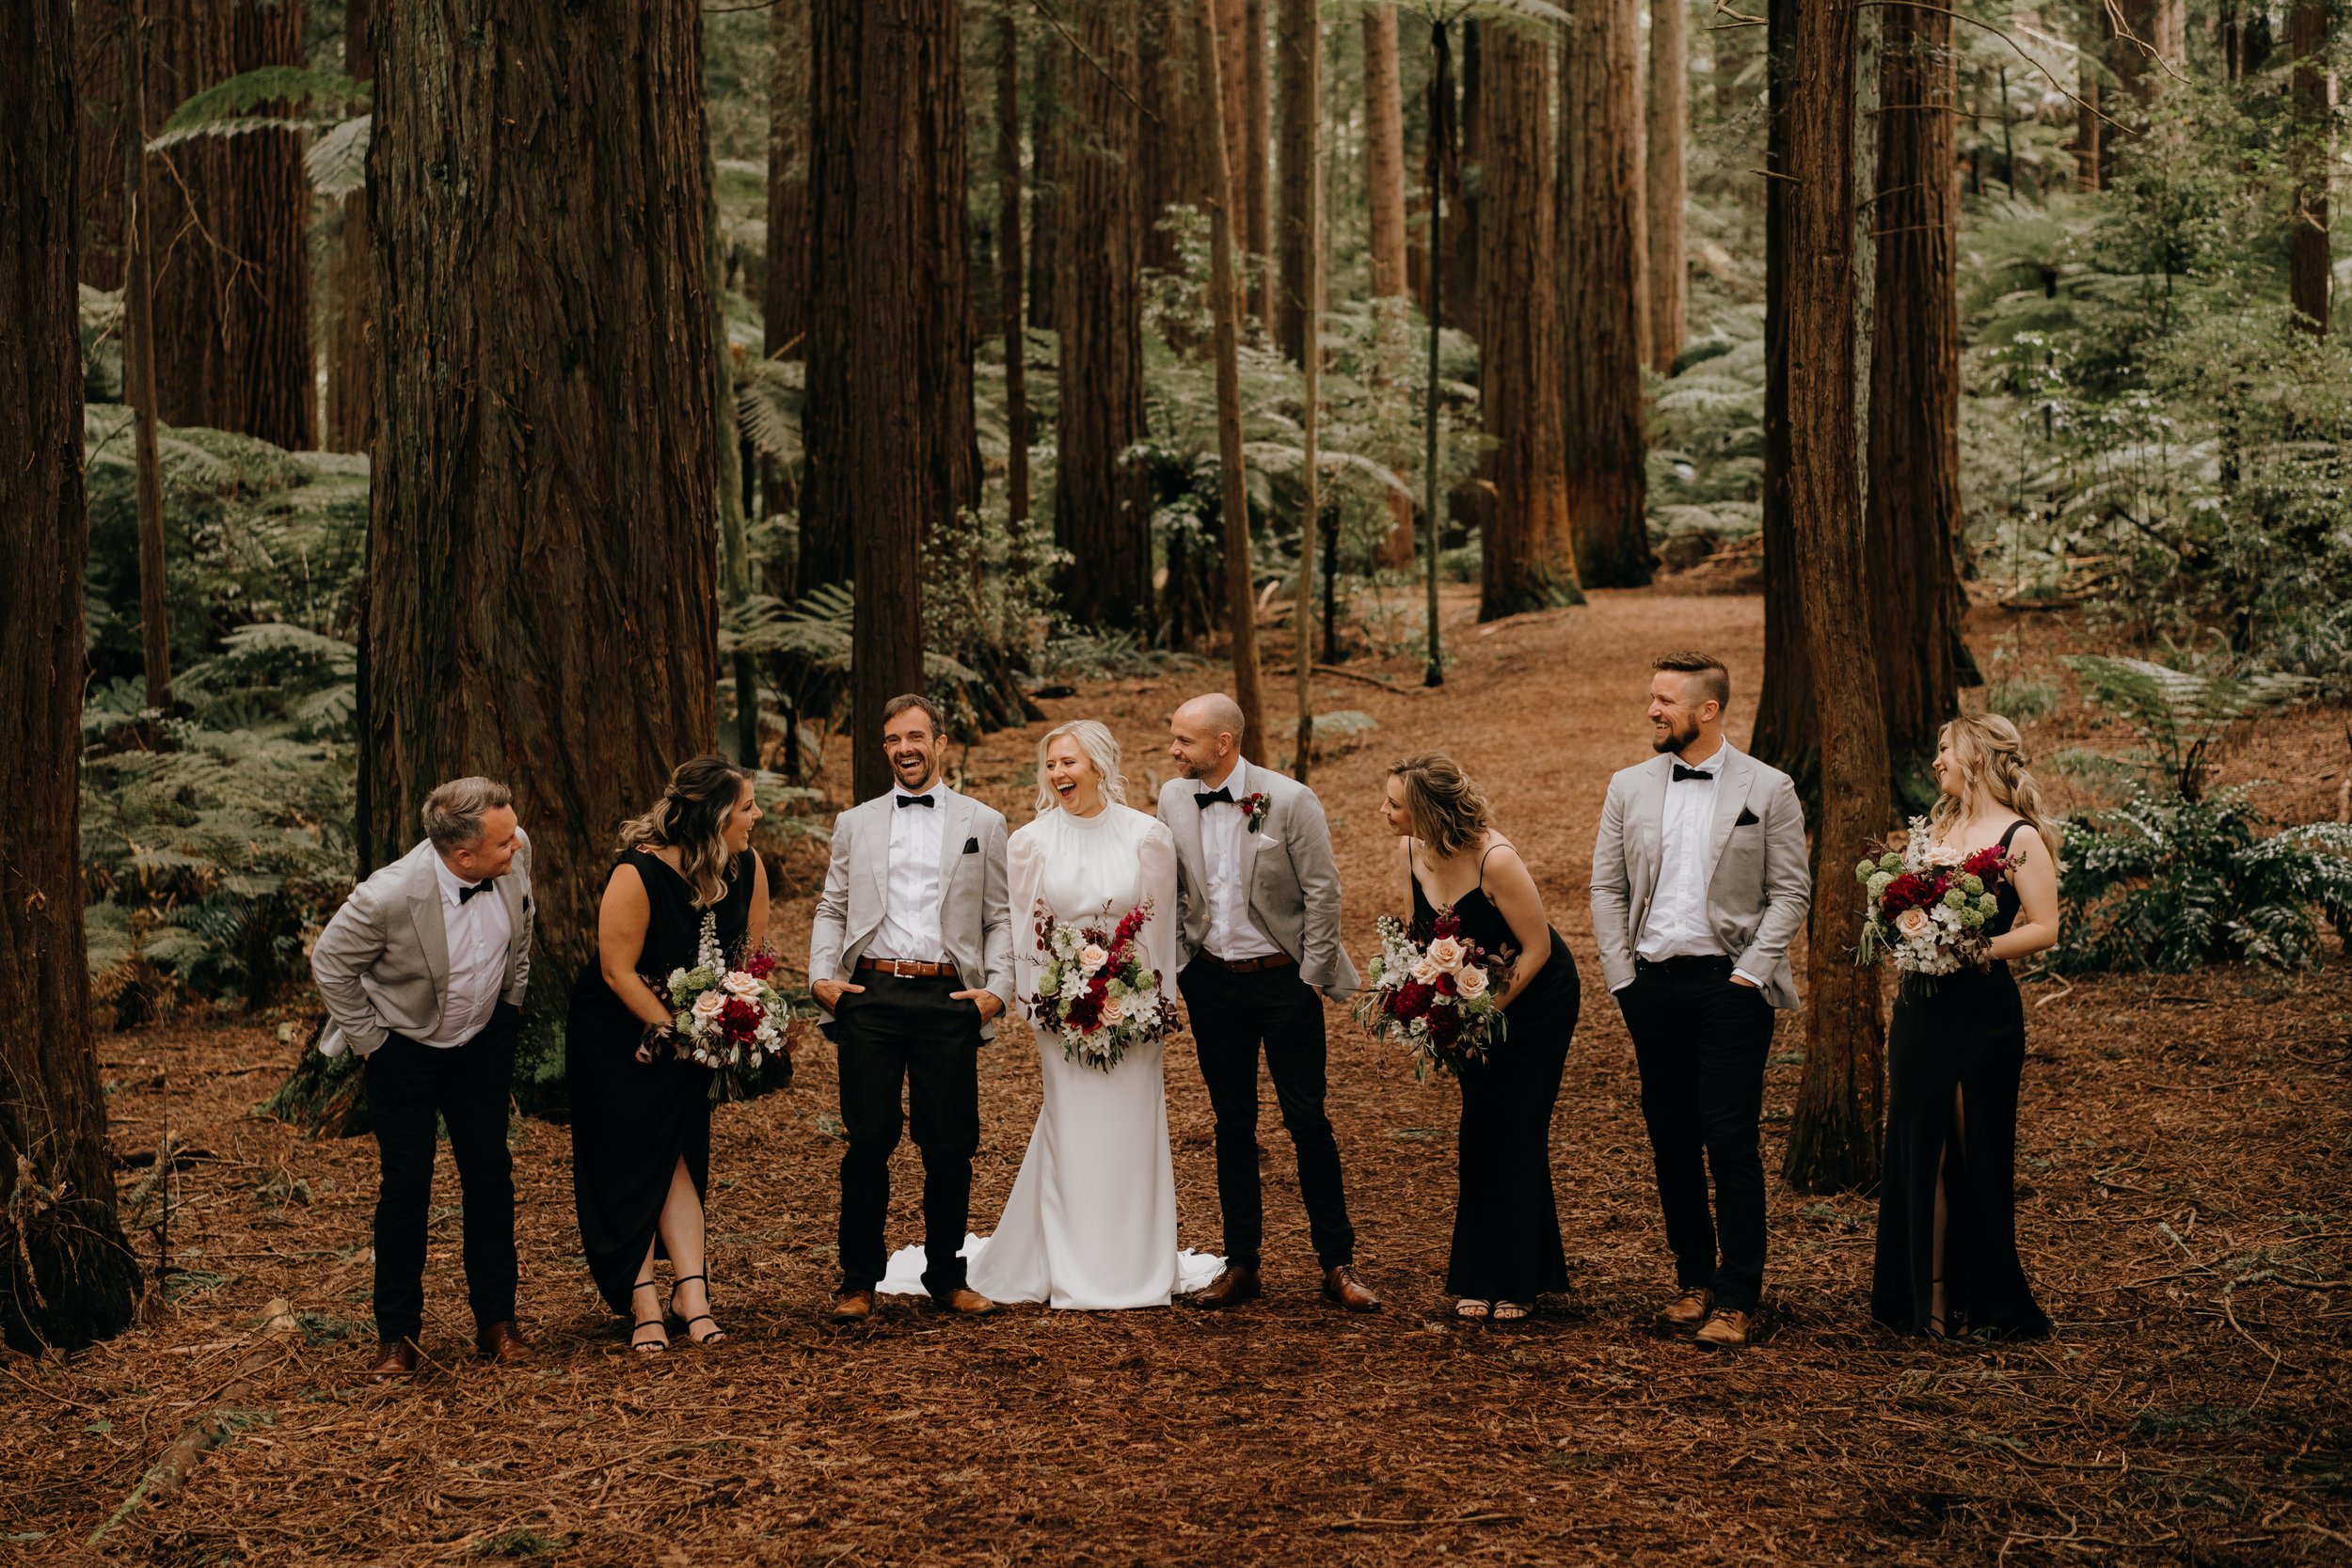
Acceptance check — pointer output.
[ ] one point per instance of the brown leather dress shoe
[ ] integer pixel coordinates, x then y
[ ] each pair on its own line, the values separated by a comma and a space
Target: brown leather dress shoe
851, 1307
1340, 1285
1725, 1328
1685, 1312
965, 1301
1237, 1284
394, 1358
504, 1342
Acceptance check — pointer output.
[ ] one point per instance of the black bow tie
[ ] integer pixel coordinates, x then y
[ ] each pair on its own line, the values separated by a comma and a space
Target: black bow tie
916, 800
1681, 774
466, 893
1208, 798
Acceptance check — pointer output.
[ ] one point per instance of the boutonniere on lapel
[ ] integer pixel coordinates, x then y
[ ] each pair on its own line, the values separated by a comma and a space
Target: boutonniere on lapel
1254, 806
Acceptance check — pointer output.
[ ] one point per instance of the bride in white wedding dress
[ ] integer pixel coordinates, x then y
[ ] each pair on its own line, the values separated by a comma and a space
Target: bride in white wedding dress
1092, 1223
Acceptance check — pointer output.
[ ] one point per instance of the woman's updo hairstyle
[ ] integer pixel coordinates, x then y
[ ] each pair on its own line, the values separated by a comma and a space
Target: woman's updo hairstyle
1991, 759
1448, 811
691, 818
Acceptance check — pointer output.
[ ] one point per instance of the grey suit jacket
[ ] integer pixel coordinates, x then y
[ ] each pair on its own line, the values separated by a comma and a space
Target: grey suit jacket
382, 964
1758, 883
1292, 880
975, 922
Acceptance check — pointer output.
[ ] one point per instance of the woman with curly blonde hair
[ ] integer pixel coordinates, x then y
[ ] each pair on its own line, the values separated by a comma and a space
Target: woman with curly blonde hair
1955, 1055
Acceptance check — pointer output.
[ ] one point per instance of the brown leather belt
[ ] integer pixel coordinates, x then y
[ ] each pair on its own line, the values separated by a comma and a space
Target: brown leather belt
1248, 966
906, 969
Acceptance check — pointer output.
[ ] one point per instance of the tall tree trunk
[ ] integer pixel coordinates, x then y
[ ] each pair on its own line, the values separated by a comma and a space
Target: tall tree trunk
2089, 127
1011, 315
1251, 161
1102, 509
1667, 105
1296, 150
2146, 62
540, 547
350, 270
1048, 201
66, 1276
1175, 171
138, 357
1527, 557
1464, 187
2308, 260
1233, 63
1911, 520
100, 27
783, 294
1384, 151
1834, 1137
1225, 308
1605, 284
1439, 151
735, 549
1784, 733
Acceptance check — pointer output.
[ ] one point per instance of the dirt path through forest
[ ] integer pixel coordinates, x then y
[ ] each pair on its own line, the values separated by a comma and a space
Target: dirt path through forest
2184, 1209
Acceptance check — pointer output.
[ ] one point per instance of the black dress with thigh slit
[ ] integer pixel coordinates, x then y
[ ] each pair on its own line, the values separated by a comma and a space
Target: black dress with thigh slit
633, 1121
1957, 1047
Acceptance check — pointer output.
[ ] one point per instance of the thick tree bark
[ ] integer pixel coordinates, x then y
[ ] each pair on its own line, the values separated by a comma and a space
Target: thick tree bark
2307, 258
1605, 284
1175, 170
66, 1276
1527, 556
1784, 733
100, 29
1225, 308
783, 294
1384, 151
1010, 308
1101, 510
541, 595
1465, 183
138, 359
1668, 106
1296, 150
1233, 63
1256, 195
351, 271
1834, 1137
1911, 514
1048, 202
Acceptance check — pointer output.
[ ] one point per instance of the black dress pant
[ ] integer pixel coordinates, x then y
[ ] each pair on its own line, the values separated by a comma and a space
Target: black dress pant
1701, 1040
1232, 1016
912, 1034
465, 1087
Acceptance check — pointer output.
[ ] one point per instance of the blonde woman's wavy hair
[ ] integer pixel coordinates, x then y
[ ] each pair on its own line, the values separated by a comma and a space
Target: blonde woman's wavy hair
691, 818
1991, 759
1448, 811
1099, 747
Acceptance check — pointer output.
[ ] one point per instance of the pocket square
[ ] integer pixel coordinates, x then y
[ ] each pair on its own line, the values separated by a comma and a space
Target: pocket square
971, 846
1746, 818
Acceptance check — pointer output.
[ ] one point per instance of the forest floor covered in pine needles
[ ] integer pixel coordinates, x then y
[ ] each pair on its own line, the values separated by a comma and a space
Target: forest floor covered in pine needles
2185, 1210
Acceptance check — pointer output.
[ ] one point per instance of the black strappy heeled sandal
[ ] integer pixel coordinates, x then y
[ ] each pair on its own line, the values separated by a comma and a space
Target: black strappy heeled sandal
647, 1347
716, 1333
1938, 1327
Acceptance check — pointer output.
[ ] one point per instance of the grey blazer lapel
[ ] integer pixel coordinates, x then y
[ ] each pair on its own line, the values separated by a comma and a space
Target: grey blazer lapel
1650, 806
1731, 798
1246, 864
877, 830
955, 826
425, 908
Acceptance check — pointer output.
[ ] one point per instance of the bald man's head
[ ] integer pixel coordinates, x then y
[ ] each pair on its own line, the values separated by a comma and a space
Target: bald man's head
1205, 735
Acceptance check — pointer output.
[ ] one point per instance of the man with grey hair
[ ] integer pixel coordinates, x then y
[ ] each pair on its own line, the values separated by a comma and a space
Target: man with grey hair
423, 970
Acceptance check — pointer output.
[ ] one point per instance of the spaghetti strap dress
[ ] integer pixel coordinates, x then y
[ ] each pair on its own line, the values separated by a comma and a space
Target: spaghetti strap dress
1507, 1219
633, 1121
1959, 1039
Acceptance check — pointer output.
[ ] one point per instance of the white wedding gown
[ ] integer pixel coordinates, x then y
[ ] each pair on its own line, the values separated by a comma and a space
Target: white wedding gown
1092, 1223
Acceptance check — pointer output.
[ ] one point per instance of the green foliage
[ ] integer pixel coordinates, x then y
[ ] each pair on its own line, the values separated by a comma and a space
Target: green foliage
2183, 716
271, 98
1707, 432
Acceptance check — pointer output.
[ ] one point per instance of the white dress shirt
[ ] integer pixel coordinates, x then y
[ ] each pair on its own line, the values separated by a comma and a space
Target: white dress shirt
1677, 927
909, 927
1232, 933
479, 931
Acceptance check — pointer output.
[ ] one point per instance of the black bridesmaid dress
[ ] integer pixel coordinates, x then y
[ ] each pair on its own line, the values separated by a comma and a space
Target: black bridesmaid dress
1506, 1222
1966, 1036
633, 1121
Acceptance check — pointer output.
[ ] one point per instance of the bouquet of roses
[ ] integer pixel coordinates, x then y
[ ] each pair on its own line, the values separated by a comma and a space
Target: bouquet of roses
1438, 998
1929, 904
724, 1017
1097, 994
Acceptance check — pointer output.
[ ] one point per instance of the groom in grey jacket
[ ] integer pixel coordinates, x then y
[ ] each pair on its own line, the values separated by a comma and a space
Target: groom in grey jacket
1699, 884
911, 956
1258, 950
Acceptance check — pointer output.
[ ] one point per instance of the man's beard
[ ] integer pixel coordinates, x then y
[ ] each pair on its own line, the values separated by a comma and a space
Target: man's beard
1677, 739
1186, 766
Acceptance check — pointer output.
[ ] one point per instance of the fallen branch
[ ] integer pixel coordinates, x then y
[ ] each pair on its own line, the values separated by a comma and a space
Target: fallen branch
1338, 673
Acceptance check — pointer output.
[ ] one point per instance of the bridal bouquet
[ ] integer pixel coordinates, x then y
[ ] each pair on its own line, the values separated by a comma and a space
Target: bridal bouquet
1439, 997
1097, 994
722, 1016
1928, 905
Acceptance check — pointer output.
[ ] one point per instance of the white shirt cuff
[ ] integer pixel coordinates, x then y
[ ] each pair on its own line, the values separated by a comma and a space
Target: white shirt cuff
1743, 975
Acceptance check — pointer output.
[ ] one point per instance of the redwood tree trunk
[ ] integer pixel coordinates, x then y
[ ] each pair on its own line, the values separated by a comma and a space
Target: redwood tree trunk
1009, 311
66, 1276
1301, 103
1784, 708
1912, 521
1834, 1137
1175, 170
541, 601
2307, 258
1249, 163
1384, 151
1102, 510
1525, 553
99, 30
1668, 107
784, 295
1047, 201
1604, 282
350, 270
